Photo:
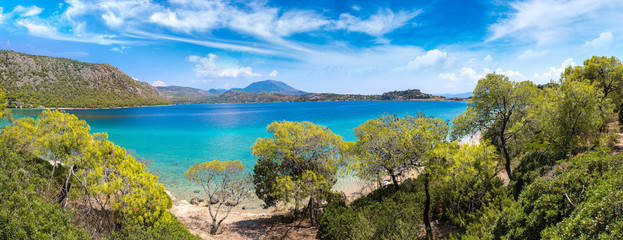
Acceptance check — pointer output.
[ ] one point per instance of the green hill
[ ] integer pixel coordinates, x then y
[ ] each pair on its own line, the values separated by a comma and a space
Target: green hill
41, 81
187, 95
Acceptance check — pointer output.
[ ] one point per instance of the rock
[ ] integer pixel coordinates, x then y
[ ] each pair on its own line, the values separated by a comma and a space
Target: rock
196, 201
231, 203
197, 191
183, 202
170, 195
214, 200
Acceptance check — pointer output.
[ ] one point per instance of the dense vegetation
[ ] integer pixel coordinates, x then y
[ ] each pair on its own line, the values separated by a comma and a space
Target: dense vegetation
40, 81
60, 181
550, 142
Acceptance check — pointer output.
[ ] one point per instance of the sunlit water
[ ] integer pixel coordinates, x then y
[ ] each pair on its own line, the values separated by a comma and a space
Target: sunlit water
175, 137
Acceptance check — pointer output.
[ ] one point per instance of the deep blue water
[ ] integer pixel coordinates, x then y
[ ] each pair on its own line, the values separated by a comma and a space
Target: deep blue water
175, 137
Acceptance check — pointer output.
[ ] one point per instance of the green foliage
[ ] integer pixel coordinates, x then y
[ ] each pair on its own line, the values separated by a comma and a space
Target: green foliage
532, 166
467, 183
552, 198
390, 144
24, 213
383, 214
174, 230
603, 72
572, 116
105, 175
497, 111
300, 161
600, 216
264, 174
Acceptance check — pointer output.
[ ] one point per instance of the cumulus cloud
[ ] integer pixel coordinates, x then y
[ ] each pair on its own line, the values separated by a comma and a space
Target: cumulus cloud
431, 58
159, 84
511, 74
470, 73
383, 22
448, 76
604, 40
208, 67
554, 73
27, 11
273, 73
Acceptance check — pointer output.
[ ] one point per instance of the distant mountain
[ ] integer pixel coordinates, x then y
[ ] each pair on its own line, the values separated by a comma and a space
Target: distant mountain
276, 91
271, 86
188, 95
217, 91
457, 95
41, 81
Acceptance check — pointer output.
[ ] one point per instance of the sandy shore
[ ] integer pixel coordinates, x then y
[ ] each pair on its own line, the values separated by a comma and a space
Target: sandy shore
254, 222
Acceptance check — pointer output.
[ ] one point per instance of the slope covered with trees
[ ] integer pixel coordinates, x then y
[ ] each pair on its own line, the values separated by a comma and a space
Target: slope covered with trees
60, 181
41, 81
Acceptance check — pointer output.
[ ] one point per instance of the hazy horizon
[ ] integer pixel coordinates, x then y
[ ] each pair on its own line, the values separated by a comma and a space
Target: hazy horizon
358, 47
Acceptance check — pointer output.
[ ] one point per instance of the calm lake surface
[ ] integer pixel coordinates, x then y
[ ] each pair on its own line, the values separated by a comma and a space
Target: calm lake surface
175, 137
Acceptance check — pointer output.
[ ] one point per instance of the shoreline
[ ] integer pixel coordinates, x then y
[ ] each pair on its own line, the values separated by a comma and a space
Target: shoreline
174, 104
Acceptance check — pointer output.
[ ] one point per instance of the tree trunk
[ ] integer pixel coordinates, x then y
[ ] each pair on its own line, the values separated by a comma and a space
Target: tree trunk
394, 181
429, 229
310, 205
507, 156
213, 228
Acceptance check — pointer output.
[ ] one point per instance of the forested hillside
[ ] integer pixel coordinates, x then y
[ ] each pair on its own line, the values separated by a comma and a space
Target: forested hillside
41, 81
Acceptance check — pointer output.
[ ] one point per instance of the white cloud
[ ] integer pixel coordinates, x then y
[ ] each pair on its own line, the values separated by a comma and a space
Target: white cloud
299, 21
1, 15
529, 55
356, 8
27, 11
159, 84
207, 67
604, 40
431, 58
547, 21
470, 73
45, 31
121, 49
383, 22
516, 75
448, 76
554, 73
273, 73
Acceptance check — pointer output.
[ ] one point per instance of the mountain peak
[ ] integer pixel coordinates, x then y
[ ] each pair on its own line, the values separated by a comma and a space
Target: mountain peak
272, 86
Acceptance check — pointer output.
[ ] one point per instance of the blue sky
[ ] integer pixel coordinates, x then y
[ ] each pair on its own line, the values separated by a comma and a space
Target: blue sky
366, 47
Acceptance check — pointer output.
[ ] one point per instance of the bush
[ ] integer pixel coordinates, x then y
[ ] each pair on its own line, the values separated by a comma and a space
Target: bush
171, 230
383, 214
532, 166
24, 213
599, 217
553, 197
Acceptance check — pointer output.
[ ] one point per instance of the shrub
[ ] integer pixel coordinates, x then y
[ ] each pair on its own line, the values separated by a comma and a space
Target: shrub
532, 166
553, 197
24, 214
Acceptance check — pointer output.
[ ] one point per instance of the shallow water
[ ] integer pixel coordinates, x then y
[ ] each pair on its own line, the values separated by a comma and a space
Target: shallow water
175, 137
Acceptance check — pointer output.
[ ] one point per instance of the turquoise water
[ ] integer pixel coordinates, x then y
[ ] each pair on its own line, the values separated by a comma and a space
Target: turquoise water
175, 137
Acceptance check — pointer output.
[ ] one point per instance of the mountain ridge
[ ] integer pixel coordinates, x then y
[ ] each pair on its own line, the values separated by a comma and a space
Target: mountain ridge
41, 81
